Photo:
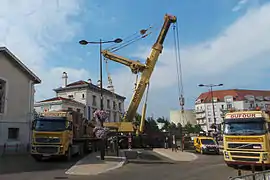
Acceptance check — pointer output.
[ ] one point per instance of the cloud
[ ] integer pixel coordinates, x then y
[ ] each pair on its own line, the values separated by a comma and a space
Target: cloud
236, 57
239, 5
32, 29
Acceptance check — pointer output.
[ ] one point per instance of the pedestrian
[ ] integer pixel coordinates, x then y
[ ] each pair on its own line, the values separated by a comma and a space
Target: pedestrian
166, 142
173, 143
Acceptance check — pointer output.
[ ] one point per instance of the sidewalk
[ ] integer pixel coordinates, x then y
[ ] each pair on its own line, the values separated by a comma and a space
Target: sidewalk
93, 165
176, 156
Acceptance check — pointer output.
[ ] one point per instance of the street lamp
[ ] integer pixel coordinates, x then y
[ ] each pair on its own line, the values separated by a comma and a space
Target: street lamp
84, 42
100, 42
211, 91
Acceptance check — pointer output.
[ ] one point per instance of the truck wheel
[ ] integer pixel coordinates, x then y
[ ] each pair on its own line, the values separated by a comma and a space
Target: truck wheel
68, 154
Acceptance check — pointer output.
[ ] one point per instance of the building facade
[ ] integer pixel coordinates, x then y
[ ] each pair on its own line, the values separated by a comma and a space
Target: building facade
88, 94
224, 100
187, 116
16, 100
59, 103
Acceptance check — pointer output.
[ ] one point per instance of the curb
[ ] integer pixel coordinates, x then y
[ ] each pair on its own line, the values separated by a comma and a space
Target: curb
120, 164
167, 156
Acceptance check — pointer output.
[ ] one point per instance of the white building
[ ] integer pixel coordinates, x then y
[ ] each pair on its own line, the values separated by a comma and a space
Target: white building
16, 99
59, 103
224, 100
183, 117
88, 94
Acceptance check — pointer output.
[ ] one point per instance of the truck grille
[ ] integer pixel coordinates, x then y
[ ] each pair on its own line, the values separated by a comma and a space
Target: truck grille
245, 159
244, 146
245, 154
47, 140
48, 150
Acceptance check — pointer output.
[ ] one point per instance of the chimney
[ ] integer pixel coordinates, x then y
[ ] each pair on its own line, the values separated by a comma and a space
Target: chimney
65, 78
98, 83
89, 81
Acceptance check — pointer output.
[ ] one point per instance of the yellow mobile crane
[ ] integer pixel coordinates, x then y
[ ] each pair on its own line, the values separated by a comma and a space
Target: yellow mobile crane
146, 72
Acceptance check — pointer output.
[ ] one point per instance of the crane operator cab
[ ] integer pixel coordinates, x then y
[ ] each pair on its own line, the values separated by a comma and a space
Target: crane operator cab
205, 145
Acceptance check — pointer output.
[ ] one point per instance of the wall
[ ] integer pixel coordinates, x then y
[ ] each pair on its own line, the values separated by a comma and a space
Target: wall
114, 114
19, 102
179, 117
59, 105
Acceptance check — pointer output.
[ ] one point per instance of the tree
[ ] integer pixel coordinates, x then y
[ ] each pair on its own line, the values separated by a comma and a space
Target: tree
189, 128
151, 125
197, 129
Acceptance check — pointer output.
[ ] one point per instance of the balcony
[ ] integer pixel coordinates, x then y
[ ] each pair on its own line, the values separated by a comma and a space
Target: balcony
201, 122
199, 111
198, 117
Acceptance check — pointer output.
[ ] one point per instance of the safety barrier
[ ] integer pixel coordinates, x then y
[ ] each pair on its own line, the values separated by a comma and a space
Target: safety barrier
264, 175
14, 148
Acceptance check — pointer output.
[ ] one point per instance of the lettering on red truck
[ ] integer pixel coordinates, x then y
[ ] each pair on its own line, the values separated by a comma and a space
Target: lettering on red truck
244, 115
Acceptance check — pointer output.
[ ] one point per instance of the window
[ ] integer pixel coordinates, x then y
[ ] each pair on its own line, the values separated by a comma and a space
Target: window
2, 95
251, 105
119, 104
208, 107
114, 116
109, 116
114, 105
108, 104
94, 102
70, 109
13, 133
229, 106
209, 119
83, 96
70, 96
89, 112
222, 106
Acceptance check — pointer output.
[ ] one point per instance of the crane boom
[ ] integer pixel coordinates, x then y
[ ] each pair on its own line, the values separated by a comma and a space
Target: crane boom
135, 66
150, 64
146, 69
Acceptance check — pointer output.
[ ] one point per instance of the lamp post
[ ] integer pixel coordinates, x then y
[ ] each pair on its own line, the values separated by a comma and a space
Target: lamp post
100, 42
211, 91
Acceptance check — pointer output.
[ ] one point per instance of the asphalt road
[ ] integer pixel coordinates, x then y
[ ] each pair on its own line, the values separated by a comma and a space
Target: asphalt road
149, 166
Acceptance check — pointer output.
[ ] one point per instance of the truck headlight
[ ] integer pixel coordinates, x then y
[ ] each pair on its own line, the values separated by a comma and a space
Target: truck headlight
226, 155
264, 156
203, 146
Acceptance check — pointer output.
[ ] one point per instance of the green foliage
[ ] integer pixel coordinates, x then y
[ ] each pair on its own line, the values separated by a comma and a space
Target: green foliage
151, 125
189, 128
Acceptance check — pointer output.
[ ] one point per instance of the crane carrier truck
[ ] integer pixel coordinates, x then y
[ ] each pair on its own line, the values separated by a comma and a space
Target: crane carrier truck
247, 138
60, 134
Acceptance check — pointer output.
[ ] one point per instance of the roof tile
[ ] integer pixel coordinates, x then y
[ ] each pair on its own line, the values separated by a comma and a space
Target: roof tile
238, 94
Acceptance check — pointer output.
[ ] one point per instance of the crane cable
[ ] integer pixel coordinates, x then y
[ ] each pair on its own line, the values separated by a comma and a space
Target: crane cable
179, 69
130, 39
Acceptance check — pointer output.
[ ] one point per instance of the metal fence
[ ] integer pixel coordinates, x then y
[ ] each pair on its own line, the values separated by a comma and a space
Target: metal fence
264, 175
14, 148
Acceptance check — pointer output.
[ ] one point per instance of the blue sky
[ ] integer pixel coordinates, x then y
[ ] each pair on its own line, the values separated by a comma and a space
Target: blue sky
225, 41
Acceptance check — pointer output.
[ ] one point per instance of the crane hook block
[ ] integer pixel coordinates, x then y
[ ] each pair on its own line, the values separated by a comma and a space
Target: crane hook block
182, 100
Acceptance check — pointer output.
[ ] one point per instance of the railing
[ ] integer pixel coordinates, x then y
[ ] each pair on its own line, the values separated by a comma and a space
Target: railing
263, 175
17, 148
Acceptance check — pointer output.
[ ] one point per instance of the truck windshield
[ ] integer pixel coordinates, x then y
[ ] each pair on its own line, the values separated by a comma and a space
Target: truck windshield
208, 141
50, 125
244, 128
